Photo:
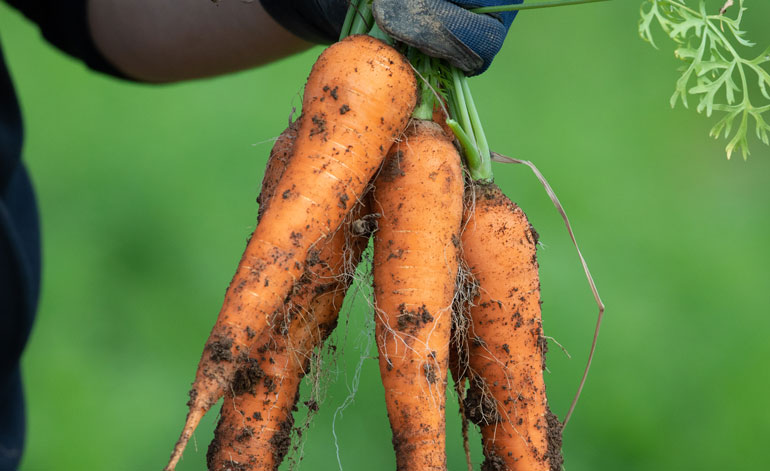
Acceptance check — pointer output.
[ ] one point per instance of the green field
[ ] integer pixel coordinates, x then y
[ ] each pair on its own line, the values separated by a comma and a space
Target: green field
147, 196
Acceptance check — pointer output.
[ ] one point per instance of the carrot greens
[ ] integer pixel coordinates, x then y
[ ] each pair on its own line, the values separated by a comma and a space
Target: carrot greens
718, 70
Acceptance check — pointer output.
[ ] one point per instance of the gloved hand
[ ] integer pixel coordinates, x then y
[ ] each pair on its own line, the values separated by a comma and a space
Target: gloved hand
439, 28
447, 30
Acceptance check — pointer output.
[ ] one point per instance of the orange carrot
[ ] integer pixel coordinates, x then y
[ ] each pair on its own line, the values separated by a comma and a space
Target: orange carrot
419, 195
505, 343
254, 432
357, 101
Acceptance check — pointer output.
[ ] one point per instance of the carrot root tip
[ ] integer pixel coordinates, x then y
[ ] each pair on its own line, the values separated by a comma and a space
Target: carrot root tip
193, 419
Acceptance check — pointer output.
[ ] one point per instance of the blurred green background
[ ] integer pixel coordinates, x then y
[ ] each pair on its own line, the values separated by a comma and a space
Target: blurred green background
147, 198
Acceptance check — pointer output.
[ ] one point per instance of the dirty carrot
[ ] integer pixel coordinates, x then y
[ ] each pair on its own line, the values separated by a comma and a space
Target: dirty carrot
505, 343
357, 101
235, 431
254, 431
419, 196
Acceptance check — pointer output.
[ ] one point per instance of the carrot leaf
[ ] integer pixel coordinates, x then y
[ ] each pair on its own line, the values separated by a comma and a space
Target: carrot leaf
715, 72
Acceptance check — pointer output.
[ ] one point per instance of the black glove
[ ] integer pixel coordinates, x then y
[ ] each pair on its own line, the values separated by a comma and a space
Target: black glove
439, 28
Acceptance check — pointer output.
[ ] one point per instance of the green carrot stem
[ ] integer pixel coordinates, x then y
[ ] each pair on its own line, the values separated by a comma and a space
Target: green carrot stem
345, 31
533, 6
485, 166
368, 16
424, 110
472, 158
412, 55
452, 106
363, 18
462, 108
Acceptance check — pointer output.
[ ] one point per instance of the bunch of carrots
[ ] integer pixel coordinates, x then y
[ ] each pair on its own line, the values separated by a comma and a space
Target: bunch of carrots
388, 146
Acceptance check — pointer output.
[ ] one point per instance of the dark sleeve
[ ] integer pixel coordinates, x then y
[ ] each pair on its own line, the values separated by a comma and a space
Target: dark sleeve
64, 23
316, 21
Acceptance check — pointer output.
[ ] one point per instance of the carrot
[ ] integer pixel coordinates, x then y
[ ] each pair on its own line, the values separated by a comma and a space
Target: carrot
419, 195
254, 432
505, 343
357, 101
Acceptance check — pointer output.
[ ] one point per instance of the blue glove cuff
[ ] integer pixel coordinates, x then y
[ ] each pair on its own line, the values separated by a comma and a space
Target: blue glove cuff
505, 17
484, 38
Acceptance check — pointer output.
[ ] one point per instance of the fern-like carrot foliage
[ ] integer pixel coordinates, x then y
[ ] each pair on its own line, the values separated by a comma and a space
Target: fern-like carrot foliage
715, 72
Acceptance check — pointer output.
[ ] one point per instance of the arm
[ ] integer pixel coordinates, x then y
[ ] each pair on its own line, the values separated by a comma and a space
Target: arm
170, 40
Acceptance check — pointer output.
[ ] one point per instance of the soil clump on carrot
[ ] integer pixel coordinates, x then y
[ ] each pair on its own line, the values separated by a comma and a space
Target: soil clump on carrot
281, 440
553, 454
480, 407
246, 377
492, 462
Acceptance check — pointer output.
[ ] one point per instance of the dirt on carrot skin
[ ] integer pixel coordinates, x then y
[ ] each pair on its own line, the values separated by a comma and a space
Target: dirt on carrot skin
366, 225
553, 454
281, 439
492, 462
221, 350
213, 451
193, 393
410, 321
430, 373
480, 407
247, 377
251, 379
